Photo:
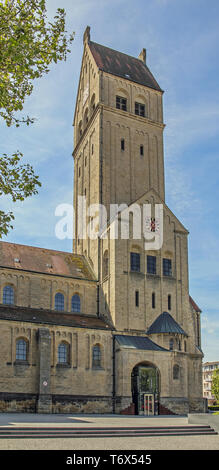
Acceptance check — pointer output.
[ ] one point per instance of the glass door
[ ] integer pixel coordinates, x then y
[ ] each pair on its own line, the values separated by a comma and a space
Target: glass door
148, 404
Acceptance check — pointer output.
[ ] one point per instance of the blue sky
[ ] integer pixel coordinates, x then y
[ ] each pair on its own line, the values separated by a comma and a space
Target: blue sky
182, 42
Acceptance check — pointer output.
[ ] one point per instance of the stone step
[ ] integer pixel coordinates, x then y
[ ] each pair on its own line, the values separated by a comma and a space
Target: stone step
45, 432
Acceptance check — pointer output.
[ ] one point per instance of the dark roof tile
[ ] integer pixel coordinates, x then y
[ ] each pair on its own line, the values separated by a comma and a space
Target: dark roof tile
123, 65
138, 342
165, 323
51, 317
43, 260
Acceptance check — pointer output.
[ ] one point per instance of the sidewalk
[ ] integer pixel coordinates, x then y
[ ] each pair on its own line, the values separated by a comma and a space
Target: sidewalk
102, 443
89, 420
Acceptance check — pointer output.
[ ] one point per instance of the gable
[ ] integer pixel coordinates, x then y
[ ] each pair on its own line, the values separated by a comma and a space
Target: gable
87, 85
152, 197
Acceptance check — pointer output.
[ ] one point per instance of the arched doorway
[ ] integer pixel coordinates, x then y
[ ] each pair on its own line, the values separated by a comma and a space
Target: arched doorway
145, 389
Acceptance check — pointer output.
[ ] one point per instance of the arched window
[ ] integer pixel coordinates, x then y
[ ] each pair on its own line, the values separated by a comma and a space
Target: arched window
176, 372
8, 295
92, 103
80, 131
105, 264
96, 356
171, 343
21, 350
63, 353
75, 303
141, 150
86, 117
59, 301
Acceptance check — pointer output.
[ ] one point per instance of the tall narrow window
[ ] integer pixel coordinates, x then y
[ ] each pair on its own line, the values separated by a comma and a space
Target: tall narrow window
8, 295
176, 371
80, 129
167, 267
153, 300
105, 264
141, 150
96, 356
122, 144
137, 298
93, 102
75, 303
21, 350
63, 353
59, 301
121, 103
171, 343
169, 302
135, 262
151, 264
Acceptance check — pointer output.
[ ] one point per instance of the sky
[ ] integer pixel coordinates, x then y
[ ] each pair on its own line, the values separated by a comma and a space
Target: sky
182, 43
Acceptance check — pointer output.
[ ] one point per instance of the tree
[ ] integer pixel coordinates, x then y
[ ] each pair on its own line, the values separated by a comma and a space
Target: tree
28, 45
215, 384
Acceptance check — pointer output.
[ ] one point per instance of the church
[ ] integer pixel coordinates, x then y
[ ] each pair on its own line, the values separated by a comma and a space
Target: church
111, 327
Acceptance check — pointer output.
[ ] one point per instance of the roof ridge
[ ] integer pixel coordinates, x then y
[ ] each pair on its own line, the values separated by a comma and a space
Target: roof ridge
40, 248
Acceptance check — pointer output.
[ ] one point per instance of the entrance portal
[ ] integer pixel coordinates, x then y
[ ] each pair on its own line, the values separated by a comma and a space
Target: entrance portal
145, 389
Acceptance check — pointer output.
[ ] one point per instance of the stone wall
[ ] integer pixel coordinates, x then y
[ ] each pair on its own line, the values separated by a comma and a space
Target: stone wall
17, 402
37, 290
29, 403
178, 406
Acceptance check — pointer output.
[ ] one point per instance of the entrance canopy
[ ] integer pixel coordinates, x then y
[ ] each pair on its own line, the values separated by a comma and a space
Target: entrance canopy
138, 342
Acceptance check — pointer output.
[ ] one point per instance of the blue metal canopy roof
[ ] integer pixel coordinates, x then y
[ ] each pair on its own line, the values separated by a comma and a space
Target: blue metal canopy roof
138, 342
165, 323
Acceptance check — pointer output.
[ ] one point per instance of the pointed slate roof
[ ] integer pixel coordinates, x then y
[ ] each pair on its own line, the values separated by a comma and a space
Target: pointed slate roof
165, 323
123, 65
138, 342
